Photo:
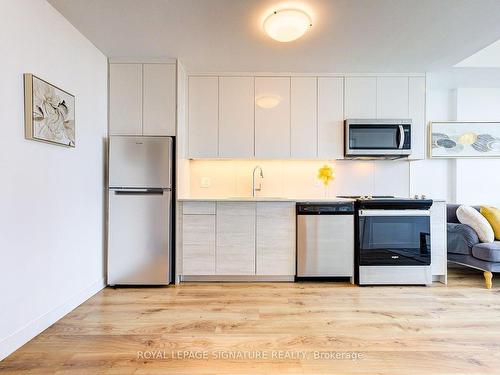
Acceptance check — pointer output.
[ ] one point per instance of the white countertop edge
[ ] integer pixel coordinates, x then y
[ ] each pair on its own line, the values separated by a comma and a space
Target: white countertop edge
270, 199
264, 199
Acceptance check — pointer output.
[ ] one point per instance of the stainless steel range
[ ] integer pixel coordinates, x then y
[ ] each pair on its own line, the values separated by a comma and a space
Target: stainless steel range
392, 240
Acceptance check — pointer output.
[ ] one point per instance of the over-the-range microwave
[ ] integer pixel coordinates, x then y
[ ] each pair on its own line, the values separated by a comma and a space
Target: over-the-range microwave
377, 139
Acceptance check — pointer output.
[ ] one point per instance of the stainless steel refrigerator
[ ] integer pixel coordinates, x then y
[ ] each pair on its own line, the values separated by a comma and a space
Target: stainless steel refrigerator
140, 210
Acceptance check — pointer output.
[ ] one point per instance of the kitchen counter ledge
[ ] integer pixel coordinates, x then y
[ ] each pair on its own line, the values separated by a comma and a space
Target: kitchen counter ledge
263, 199
270, 199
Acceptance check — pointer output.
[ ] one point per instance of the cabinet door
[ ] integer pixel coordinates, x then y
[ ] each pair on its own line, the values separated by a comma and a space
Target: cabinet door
235, 238
198, 239
275, 249
331, 117
236, 117
392, 97
272, 117
417, 114
303, 109
438, 238
203, 117
125, 99
361, 97
159, 99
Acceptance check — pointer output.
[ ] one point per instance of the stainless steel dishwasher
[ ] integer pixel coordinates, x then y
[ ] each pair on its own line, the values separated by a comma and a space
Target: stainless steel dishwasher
325, 239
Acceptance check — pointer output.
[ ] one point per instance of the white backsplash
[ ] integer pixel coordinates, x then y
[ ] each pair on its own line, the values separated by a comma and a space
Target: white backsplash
298, 179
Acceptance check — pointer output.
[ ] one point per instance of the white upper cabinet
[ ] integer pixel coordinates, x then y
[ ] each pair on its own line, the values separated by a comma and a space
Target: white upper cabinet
142, 99
236, 117
392, 97
294, 117
417, 114
304, 125
203, 117
159, 107
125, 99
360, 97
331, 117
272, 117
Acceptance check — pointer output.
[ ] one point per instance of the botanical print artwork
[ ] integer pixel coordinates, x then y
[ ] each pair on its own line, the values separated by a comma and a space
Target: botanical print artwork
52, 113
465, 139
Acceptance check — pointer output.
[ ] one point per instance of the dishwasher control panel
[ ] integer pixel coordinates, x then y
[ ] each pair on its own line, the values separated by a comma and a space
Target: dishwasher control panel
334, 208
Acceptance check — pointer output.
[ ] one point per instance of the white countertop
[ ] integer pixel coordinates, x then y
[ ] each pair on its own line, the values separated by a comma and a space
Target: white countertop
270, 199
263, 199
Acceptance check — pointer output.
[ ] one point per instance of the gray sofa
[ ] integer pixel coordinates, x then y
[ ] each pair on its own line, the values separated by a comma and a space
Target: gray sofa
464, 247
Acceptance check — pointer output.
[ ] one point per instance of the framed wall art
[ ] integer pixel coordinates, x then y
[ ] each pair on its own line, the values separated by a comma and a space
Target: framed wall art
456, 139
49, 112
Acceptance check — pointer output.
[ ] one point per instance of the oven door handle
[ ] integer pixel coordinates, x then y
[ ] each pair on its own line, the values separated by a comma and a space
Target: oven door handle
394, 213
401, 137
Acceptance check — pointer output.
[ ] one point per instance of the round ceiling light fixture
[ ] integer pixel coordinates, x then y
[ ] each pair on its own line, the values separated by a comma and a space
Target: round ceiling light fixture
286, 25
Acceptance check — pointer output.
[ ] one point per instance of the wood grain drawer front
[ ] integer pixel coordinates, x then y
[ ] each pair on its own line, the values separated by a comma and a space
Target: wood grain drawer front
198, 237
275, 238
235, 238
198, 208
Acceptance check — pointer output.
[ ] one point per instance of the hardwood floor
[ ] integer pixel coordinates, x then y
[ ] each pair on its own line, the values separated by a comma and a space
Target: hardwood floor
452, 329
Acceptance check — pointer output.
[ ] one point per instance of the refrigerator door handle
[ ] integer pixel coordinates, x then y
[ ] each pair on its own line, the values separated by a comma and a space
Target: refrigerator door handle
139, 191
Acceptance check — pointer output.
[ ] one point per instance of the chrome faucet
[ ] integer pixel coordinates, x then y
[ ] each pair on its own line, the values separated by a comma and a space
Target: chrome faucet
255, 189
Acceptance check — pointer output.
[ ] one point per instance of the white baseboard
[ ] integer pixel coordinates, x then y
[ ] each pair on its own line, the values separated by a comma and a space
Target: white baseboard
17, 339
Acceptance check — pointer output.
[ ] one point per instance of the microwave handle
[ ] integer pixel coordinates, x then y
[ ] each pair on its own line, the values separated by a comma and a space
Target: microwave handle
401, 137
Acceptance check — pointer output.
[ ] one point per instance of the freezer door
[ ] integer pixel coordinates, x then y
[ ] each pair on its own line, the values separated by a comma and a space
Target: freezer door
140, 162
139, 237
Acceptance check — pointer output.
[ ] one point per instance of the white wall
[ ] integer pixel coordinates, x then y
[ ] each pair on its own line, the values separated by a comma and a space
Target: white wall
51, 205
478, 180
433, 177
460, 95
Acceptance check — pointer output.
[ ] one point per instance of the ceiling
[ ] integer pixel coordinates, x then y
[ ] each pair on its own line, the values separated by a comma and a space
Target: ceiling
488, 57
347, 35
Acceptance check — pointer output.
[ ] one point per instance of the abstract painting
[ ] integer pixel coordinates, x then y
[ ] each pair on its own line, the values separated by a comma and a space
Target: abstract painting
49, 112
464, 139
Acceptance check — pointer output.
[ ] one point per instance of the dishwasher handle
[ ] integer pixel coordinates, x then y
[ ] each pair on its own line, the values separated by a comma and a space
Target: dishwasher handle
345, 208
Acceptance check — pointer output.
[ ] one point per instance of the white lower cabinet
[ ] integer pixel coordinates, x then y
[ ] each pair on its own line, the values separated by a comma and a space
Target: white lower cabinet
238, 239
198, 237
235, 238
275, 244
438, 240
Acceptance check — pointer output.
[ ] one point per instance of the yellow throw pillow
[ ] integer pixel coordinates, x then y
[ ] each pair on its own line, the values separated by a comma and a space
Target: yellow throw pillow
492, 214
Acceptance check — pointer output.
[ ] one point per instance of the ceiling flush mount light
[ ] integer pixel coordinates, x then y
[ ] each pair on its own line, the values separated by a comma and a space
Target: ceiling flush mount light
287, 24
268, 101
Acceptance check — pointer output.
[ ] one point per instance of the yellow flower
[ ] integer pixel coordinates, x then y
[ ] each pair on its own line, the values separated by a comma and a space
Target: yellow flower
326, 174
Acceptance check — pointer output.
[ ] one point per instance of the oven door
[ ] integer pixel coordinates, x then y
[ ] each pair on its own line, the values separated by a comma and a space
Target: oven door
394, 237
377, 139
